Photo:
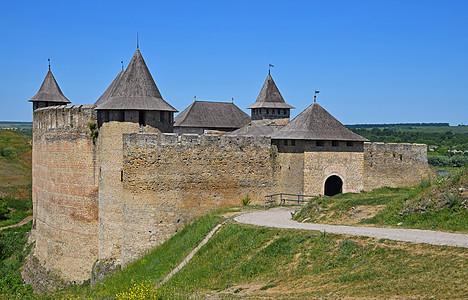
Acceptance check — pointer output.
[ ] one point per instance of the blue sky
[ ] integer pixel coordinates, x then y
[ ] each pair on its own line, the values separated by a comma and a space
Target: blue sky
373, 61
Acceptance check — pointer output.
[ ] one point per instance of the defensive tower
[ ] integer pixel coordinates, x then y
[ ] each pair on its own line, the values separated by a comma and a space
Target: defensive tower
49, 94
270, 104
331, 157
134, 97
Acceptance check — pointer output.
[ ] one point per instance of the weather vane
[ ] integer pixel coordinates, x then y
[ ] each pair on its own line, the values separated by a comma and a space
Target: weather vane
270, 66
315, 95
122, 63
49, 63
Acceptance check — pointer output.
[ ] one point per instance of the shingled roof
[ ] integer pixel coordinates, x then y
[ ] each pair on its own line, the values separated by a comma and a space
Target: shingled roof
208, 114
136, 90
256, 130
109, 90
315, 123
270, 96
50, 91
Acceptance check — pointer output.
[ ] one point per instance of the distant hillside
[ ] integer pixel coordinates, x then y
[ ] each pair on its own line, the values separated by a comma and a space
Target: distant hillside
398, 125
15, 164
23, 127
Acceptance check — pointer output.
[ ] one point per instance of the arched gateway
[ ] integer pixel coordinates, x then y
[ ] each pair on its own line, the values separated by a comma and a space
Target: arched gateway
333, 185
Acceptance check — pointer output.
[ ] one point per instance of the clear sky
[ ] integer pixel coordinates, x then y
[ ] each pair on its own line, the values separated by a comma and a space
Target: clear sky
373, 61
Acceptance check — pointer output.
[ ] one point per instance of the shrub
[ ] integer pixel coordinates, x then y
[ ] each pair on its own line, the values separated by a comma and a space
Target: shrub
3, 209
246, 200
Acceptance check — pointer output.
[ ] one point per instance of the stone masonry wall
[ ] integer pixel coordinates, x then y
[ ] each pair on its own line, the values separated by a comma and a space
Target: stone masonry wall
111, 193
170, 180
394, 164
65, 190
346, 162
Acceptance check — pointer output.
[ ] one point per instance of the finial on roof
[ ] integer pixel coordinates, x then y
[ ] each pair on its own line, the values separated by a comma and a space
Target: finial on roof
49, 63
194, 98
232, 100
270, 66
137, 42
315, 95
122, 63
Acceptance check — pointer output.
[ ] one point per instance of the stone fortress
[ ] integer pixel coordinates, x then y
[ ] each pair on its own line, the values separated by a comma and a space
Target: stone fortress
117, 178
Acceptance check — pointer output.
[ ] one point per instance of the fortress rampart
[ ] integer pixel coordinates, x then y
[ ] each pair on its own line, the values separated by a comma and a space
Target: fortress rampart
131, 188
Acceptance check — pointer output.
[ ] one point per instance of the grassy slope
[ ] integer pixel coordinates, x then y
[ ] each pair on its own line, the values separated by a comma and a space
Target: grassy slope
440, 204
12, 254
260, 262
15, 175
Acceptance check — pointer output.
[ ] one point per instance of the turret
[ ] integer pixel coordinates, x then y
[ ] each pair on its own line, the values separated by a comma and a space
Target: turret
134, 97
270, 104
49, 94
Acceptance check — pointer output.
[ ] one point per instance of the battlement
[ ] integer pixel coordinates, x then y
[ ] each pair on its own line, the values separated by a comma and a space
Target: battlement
187, 140
69, 118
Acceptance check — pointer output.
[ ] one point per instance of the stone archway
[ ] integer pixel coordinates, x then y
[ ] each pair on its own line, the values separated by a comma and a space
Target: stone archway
333, 185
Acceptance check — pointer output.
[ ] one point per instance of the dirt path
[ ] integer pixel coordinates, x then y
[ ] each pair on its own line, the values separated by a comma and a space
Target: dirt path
21, 223
191, 254
281, 218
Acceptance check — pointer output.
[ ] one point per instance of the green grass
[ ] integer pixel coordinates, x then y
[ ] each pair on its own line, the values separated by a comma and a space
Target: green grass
18, 210
257, 262
297, 264
12, 254
151, 268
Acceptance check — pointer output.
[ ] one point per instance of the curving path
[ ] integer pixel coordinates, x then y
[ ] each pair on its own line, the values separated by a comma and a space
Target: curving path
281, 218
20, 223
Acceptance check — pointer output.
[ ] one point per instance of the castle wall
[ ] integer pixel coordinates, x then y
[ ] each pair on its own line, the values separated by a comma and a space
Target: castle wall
170, 180
111, 193
394, 164
65, 190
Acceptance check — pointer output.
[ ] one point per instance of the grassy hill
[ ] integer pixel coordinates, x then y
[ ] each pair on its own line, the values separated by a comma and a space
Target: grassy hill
15, 176
254, 262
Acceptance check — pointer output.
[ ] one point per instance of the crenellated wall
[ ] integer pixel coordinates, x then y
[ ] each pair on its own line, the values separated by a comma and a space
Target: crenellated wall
394, 164
65, 190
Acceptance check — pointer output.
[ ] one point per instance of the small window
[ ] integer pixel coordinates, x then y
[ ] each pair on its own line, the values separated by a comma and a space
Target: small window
335, 143
319, 143
141, 118
349, 144
162, 115
293, 142
285, 142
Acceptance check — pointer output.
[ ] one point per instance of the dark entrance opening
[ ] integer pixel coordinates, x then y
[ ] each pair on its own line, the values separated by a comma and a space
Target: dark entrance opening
333, 185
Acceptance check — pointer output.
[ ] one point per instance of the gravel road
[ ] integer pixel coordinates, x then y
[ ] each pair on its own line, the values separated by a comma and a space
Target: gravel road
280, 217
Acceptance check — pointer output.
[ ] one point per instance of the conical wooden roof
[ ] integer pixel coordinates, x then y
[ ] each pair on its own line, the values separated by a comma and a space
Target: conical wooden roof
270, 96
109, 90
50, 91
136, 90
315, 123
210, 114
